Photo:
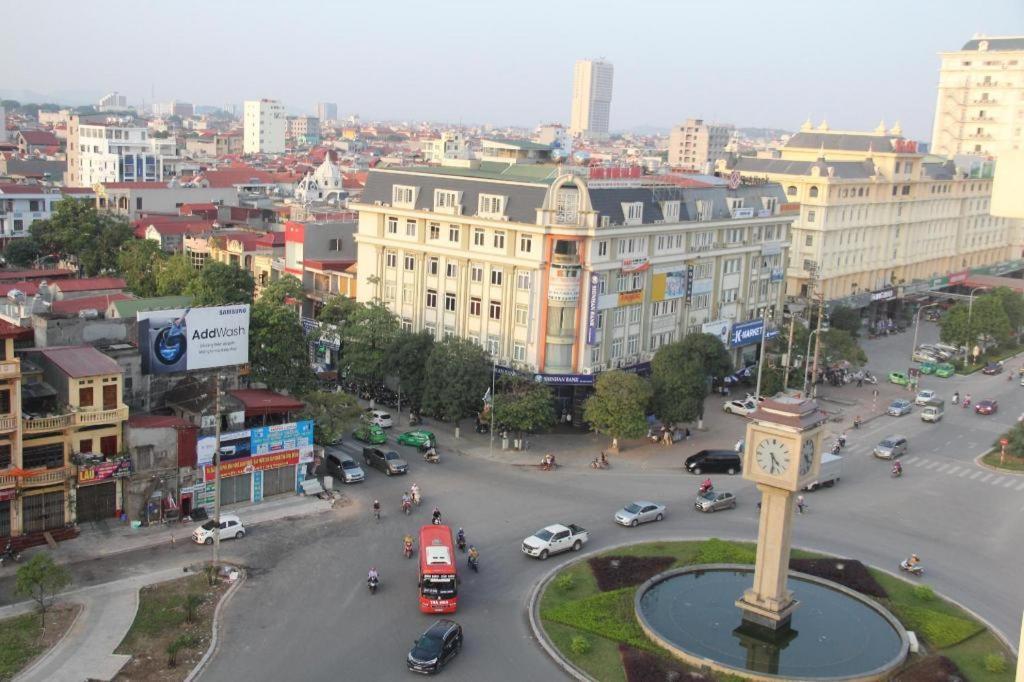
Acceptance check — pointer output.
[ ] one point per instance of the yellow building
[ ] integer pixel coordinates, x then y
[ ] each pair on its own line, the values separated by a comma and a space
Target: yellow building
980, 106
876, 213
62, 432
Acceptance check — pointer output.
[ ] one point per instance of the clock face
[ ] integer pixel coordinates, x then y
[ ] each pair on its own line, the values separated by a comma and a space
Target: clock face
772, 456
806, 456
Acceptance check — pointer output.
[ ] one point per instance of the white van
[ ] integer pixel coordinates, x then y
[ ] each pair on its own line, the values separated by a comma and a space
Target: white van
230, 527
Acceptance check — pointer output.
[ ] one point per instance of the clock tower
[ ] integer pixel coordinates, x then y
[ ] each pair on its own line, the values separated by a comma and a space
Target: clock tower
782, 454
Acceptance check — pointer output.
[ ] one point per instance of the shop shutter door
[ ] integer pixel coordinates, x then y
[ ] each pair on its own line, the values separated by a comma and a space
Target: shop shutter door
96, 502
235, 489
43, 512
5, 518
278, 481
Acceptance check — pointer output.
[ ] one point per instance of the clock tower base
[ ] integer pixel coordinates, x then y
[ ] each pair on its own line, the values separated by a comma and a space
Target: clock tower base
769, 603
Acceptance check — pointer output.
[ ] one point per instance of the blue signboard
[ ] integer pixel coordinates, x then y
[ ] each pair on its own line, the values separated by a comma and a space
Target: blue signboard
592, 310
746, 333
564, 379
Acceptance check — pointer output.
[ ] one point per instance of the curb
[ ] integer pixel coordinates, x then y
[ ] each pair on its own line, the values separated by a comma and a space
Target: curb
43, 657
533, 608
994, 469
215, 627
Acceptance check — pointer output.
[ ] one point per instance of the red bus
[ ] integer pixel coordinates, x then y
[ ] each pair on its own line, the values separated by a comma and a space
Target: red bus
438, 582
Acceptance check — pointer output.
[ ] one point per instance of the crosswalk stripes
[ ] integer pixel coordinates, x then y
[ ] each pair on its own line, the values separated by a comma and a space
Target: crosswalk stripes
1020, 486
987, 477
1010, 483
962, 471
976, 474
953, 470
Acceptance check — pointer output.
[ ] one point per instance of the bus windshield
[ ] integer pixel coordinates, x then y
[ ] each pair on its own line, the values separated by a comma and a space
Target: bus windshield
439, 586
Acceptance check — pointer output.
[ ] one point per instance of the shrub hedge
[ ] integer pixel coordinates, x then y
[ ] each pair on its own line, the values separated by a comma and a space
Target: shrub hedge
608, 614
941, 630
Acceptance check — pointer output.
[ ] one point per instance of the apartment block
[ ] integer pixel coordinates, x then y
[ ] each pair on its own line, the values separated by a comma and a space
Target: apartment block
23, 204
264, 127
694, 144
114, 150
591, 98
327, 111
304, 130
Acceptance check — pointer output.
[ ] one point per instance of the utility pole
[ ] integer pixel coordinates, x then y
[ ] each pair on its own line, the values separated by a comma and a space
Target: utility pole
494, 369
216, 470
817, 344
764, 343
789, 352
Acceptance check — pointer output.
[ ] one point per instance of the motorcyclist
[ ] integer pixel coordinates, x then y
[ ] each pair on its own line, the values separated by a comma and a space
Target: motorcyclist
407, 545
835, 448
967, 400
913, 562
460, 539
376, 509
406, 502
474, 556
414, 493
430, 453
436, 517
856, 422
372, 577
842, 439
897, 468
956, 397
706, 486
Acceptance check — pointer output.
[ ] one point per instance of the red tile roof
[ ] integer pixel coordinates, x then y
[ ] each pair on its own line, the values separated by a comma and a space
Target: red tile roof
13, 331
72, 306
135, 185
168, 228
332, 265
32, 273
22, 189
81, 361
259, 401
77, 190
27, 288
157, 421
90, 284
43, 138
271, 239
229, 176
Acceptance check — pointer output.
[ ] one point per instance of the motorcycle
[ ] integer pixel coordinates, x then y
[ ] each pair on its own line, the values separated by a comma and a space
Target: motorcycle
407, 550
966, 403
704, 488
9, 554
372, 584
432, 456
897, 471
917, 569
406, 506
474, 563
461, 542
598, 463
835, 448
415, 420
841, 441
870, 378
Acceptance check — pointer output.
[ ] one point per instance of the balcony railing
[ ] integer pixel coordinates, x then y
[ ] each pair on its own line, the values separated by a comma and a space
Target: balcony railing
46, 478
57, 423
8, 422
118, 414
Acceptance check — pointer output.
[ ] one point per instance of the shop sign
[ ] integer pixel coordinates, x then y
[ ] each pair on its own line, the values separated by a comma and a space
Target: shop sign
631, 297
607, 301
939, 282
777, 275
564, 379
719, 328
689, 283
592, 309
746, 333
98, 473
771, 248
959, 277
883, 295
701, 286
7, 494
635, 264
237, 467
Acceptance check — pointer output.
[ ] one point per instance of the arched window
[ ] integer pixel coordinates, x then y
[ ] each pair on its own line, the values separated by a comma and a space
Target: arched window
791, 190
814, 192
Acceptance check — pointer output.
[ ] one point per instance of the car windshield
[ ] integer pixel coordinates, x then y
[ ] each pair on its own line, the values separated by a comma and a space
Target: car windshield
391, 455
384, 415
544, 535
887, 443
429, 643
349, 464
209, 525
709, 496
632, 507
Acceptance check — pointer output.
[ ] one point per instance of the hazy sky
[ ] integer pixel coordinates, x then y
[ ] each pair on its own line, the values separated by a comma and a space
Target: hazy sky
768, 63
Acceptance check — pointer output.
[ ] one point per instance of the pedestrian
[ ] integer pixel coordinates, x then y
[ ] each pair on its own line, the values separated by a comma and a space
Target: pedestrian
860, 379
800, 506
687, 433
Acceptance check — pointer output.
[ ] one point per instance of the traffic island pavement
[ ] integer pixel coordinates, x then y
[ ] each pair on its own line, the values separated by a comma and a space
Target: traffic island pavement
109, 538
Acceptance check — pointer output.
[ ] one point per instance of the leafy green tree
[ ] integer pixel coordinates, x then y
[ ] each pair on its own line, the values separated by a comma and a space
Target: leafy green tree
337, 310
221, 284
41, 579
709, 351
458, 374
175, 275
989, 319
846, 319
522, 405
367, 336
771, 380
678, 383
77, 232
838, 346
138, 262
955, 328
23, 252
332, 414
407, 352
619, 405
278, 350
1013, 306
280, 290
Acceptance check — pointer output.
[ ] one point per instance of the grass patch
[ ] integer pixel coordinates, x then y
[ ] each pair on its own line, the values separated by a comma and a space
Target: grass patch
1011, 463
602, 661
715, 551
22, 640
972, 654
608, 614
938, 622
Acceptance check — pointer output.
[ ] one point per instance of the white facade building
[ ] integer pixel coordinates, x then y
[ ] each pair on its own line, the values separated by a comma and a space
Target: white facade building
265, 126
591, 98
115, 150
327, 111
22, 205
555, 135
322, 185
452, 146
113, 102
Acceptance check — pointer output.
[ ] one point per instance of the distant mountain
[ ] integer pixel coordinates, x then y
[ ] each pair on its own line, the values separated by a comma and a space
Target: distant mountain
74, 98
763, 133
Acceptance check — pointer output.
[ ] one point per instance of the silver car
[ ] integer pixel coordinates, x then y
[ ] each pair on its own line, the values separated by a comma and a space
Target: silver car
635, 513
713, 500
892, 447
898, 408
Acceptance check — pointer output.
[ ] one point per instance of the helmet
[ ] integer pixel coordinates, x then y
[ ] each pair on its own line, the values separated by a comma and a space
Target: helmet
460, 530
913, 556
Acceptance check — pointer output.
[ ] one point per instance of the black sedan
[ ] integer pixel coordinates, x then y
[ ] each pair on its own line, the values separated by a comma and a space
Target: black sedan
435, 647
993, 368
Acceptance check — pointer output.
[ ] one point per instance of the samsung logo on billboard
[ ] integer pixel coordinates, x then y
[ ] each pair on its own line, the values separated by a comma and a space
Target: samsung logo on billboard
233, 311
220, 332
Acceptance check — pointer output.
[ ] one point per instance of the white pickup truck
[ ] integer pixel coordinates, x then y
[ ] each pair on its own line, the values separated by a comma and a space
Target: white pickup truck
554, 539
830, 471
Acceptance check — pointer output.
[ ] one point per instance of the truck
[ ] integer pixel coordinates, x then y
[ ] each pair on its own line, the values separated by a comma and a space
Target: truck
828, 474
554, 539
933, 410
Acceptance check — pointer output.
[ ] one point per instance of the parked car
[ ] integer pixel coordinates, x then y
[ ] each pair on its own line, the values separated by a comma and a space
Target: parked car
713, 500
945, 370
554, 539
714, 461
924, 395
898, 378
898, 408
389, 462
946, 348
928, 367
932, 314
992, 368
435, 647
417, 438
635, 513
230, 527
892, 447
741, 407
343, 467
922, 355
381, 418
370, 433
941, 353
986, 407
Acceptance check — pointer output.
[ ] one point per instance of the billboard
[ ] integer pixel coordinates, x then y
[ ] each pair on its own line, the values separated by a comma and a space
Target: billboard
193, 338
746, 333
668, 285
260, 440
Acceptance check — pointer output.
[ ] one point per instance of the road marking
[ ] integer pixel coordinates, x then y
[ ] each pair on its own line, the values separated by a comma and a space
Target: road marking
987, 476
953, 470
1009, 483
976, 474
942, 469
1020, 487
931, 465
965, 472
997, 481
913, 459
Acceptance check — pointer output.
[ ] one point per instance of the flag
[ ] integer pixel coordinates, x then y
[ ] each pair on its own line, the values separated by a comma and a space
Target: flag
487, 396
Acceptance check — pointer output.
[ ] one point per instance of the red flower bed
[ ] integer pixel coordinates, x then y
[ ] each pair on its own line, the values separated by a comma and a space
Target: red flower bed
641, 666
931, 669
853, 574
616, 572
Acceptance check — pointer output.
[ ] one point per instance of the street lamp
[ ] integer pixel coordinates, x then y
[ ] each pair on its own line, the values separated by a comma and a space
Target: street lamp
970, 309
806, 356
917, 325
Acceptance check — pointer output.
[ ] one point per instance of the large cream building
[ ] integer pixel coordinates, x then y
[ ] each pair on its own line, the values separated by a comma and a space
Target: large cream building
264, 126
565, 277
694, 143
591, 98
980, 106
876, 213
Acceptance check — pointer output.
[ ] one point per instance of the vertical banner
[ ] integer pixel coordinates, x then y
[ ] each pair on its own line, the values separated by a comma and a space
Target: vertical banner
592, 309
689, 283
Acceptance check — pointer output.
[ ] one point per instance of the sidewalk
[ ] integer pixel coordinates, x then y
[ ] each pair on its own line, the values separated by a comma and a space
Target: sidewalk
108, 538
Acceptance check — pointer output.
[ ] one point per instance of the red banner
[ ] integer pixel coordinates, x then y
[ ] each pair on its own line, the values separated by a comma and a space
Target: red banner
7, 494
237, 467
959, 277
98, 473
